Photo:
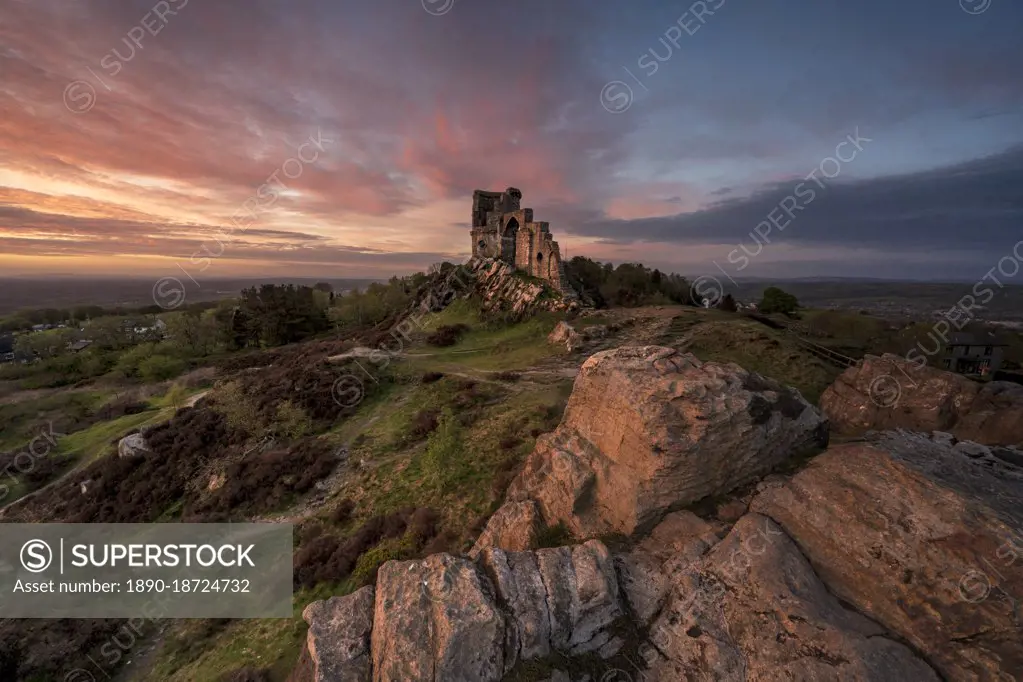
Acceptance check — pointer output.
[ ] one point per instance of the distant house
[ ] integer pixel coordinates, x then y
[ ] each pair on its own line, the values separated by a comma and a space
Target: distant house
79, 345
973, 354
157, 331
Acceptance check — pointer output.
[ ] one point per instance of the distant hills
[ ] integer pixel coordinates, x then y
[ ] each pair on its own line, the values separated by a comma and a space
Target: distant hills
17, 293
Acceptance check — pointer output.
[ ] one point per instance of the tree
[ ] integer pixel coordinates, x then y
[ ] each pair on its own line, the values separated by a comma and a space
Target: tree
777, 301
108, 332
193, 331
45, 344
278, 314
160, 368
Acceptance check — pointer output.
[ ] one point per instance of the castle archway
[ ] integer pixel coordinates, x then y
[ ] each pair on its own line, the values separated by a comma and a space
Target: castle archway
509, 239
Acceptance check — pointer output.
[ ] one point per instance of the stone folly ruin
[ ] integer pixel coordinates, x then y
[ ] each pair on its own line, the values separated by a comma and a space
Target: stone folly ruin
503, 230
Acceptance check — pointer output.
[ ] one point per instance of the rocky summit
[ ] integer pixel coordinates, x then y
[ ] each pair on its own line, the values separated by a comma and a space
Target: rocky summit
897, 555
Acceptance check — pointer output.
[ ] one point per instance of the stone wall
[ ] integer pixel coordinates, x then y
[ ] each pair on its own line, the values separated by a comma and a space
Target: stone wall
504, 230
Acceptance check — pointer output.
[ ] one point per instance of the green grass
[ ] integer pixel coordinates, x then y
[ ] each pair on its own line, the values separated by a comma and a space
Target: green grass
455, 469
96, 440
497, 348
759, 349
164, 400
23, 420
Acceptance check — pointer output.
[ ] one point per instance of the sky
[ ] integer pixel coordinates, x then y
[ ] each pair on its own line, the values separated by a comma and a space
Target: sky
344, 138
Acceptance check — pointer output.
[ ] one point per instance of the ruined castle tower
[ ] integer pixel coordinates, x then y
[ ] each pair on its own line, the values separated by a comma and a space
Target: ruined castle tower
503, 230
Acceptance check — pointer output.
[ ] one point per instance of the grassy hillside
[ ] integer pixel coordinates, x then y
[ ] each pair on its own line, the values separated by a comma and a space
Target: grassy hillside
414, 466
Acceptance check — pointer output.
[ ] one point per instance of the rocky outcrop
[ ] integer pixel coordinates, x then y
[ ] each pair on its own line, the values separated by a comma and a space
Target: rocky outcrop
648, 429
891, 392
436, 619
502, 289
566, 335
134, 445
338, 639
896, 557
514, 527
563, 599
753, 608
447, 618
920, 537
648, 571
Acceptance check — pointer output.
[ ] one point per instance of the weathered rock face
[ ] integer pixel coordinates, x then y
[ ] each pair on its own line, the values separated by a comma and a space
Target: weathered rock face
648, 429
891, 392
647, 572
338, 639
753, 608
501, 288
134, 445
562, 599
513, 527
436, 619
921, 537
446, 618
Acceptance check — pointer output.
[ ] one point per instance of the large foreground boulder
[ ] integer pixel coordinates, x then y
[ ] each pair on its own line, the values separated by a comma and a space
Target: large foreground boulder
922, 536
891, 392
648, 429
436, 619
339, 636
753, 609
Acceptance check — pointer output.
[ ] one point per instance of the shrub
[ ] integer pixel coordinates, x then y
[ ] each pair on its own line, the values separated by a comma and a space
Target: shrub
443, 450
366, 567
343, 512
423, 424
240, 411
554, 536
267, 481
329, 558
291, 420
176, 396
447, 335
160, 368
